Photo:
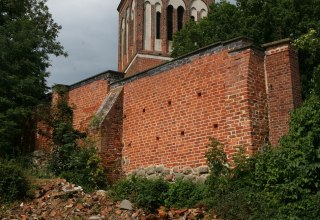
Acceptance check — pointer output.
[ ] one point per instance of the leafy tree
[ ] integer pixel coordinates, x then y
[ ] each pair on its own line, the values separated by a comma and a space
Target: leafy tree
222, 23
309, 48
28, 35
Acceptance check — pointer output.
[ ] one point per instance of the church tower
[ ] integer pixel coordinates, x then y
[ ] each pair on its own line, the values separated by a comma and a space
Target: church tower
146, 29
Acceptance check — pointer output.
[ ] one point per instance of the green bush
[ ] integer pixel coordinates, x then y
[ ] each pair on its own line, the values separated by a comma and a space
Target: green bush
282, 182
85, 169
80, 165
13, 184
145, 193
184, 194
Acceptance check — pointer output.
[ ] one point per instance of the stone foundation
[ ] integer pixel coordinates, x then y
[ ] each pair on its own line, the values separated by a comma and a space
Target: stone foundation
198, 174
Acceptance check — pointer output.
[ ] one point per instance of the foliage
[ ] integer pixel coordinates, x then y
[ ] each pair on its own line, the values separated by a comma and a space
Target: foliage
279, 183
309, 49
184, 194
78, 164
85, 169
13, 183
145, 193
221, 24
28, 35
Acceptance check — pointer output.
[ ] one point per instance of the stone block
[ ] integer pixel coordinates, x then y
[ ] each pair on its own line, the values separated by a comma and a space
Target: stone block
151, 170
141, 172
203, 170
159, 169
187, 170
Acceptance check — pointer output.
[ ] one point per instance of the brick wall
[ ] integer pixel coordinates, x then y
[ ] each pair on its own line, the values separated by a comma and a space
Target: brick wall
284, 89
85, 101
232, 91
140, 64
169, 117
43, 139
111, 140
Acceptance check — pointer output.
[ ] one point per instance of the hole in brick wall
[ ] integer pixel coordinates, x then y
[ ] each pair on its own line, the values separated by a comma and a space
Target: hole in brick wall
144, 110
169, 103
124, 116
199, 94
158, 138
215, 125
182, 133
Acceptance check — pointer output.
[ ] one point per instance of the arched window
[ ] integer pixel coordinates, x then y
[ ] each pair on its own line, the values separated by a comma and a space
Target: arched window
203, 13
180, 12
169, 22
122, 43
127, 31
194, 14
158, 25
147, 26
133, 19
198, 10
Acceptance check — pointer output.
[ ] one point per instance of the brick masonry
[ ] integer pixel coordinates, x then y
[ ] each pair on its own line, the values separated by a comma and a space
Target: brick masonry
233, 91
284, 89
171, 116
156, 119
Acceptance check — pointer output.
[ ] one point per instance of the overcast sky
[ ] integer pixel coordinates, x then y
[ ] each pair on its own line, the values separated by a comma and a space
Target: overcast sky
90, 36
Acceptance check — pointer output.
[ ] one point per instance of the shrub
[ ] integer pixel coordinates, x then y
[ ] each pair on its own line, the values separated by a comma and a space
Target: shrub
145, 193
184, 194
13, 184
78, 164
85, 169
280, 183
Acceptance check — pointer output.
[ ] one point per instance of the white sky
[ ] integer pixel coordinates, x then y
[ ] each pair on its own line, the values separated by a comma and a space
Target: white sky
90, 36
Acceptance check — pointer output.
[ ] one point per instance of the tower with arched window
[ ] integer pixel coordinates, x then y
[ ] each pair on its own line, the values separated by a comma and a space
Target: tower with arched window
146, 29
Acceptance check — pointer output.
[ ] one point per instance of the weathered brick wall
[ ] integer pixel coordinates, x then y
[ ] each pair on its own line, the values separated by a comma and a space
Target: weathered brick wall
257, 99
284, 89
43, 138
111, 140
140, 64
169, 117
86, 100
164, 117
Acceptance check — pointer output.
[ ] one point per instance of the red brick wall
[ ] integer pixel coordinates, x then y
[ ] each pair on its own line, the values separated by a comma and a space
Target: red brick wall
43, 139
140, 64
284, 87
169, 117
86, 101
111, 141
258, 106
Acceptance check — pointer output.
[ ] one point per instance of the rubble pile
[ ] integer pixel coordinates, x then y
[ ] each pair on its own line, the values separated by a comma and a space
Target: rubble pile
58, 199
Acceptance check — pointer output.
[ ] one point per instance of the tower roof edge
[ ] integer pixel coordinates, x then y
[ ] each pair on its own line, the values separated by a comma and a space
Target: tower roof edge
120, 4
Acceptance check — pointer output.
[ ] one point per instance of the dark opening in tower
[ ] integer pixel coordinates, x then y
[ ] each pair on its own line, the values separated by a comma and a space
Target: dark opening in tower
169, 22
158, 25
180, 11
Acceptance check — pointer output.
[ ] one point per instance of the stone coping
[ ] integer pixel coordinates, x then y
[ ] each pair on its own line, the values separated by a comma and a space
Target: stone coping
110, 75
